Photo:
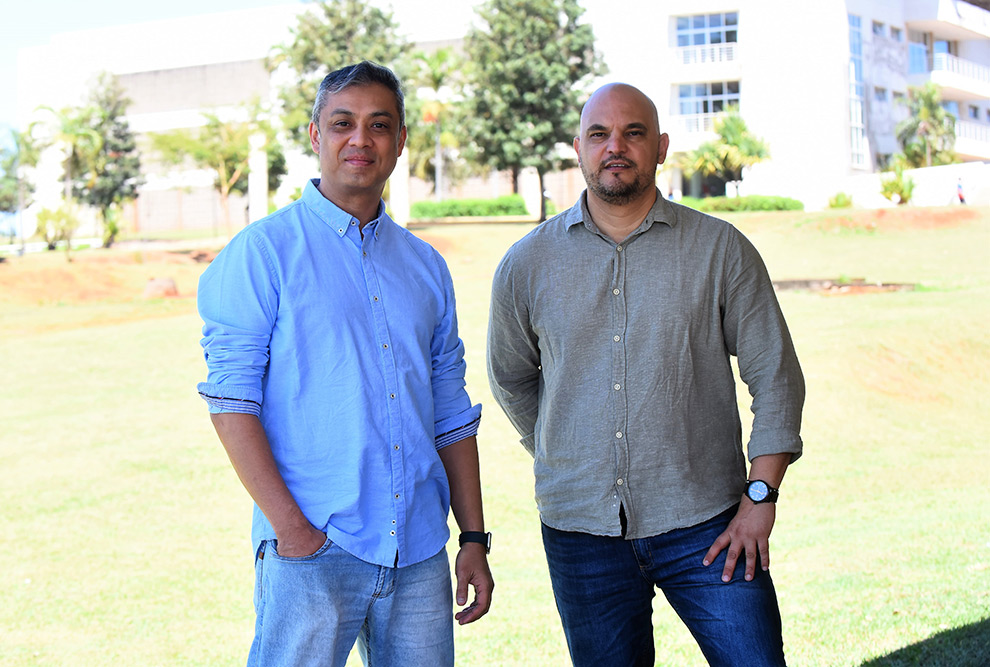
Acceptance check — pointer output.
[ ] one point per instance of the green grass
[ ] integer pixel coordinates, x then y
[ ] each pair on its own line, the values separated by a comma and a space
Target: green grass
127, 531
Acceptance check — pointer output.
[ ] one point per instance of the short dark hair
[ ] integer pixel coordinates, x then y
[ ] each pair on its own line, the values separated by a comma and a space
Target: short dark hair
361, 74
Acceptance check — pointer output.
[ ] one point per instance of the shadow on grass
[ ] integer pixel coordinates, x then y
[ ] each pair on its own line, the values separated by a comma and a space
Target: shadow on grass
968, 646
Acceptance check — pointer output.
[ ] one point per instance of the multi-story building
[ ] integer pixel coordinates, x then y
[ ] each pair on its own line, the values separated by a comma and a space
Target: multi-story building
822, 83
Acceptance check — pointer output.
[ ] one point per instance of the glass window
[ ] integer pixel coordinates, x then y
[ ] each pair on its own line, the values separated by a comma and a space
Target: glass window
896, 34
974, 112
707, 29
704, 98
878, 28
880, 94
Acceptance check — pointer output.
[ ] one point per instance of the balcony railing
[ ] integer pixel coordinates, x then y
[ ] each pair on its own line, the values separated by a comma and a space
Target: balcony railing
694, 123
922, 63
971, 131
705, 53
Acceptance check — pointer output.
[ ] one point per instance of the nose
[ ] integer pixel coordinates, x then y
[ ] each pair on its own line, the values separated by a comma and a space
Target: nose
361, 136
616, 143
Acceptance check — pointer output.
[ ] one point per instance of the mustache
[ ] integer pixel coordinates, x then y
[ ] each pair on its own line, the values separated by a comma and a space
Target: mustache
616, 159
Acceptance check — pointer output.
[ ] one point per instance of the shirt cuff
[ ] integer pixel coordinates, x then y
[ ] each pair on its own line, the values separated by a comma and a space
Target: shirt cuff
454, 429
223, 398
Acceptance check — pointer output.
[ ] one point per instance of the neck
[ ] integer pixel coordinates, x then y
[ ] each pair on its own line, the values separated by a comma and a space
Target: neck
618, 221
362, 205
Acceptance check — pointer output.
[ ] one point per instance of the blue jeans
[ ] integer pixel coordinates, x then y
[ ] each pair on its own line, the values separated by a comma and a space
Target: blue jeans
310, 611
604, 587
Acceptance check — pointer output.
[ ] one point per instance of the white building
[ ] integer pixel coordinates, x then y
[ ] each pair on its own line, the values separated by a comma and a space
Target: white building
818, 81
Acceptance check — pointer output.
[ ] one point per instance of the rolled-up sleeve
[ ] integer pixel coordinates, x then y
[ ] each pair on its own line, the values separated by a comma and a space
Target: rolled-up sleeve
238, 301
455, 417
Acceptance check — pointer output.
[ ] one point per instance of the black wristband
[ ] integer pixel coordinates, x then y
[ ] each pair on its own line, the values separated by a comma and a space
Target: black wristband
476, 536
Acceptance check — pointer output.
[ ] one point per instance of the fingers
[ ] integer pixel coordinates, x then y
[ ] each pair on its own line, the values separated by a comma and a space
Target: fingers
472, 570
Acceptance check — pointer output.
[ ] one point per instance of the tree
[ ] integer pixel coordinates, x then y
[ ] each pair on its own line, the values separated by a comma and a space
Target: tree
530, 62
334, 34
15, 188
71, 130
928, 135
223, 147
114, 176
734, 149
437, 72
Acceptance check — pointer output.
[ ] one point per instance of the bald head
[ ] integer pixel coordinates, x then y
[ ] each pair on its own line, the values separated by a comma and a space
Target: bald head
620, 145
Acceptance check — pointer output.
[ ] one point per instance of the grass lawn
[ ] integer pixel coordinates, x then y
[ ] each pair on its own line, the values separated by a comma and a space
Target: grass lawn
129, 532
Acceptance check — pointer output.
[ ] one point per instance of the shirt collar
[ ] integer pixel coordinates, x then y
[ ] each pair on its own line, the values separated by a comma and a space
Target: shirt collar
661, 211
338, 219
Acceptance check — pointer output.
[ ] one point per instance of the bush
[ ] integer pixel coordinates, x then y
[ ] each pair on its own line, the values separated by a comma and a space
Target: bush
748, 203
899, 188
841, 200
482, 208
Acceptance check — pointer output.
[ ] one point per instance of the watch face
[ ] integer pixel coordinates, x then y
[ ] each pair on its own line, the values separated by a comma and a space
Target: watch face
757, 491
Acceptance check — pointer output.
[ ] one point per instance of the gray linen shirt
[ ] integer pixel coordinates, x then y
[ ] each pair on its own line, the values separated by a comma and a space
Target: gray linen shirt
612, 361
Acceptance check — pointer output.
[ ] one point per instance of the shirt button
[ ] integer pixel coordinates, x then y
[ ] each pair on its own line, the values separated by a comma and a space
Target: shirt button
616, 338
618, 248
384, 346
617, 386
396, 448
397, 496
618, 434
392, 533
375, 298
616, 291
340, 231
391, 395
619, 481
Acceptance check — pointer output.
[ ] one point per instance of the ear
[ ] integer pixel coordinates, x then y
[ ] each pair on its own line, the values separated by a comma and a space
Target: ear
402, 141
577, 148
664, 145
314, 137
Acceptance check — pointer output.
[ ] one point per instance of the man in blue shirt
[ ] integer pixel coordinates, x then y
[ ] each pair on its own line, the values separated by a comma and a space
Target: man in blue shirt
336, 384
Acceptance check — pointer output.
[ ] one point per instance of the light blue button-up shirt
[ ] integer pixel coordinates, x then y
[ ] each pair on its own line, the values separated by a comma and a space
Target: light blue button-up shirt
346, 348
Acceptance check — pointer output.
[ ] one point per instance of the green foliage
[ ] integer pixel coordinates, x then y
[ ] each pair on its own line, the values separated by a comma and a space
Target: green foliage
840, 200
747, 203
58, 226
15, 188
530, 61
225, 148
452, 208
735, 148
897, 188
114, 175
928, 135
71, 128
334, 34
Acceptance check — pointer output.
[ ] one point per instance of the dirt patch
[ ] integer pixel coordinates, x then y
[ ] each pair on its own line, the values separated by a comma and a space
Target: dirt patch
902, 218
839, 287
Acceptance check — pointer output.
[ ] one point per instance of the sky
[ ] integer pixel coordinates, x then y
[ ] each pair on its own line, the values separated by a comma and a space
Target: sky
26, 23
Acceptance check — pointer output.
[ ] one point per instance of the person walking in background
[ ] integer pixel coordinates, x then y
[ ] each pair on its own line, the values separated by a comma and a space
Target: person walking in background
959, 191
611, 331
336, 385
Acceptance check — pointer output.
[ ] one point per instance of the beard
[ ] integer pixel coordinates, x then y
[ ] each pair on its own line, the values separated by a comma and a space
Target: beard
620, 193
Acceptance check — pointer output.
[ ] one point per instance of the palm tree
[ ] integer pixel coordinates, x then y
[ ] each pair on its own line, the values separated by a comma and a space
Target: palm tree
436, 71
928, 134
70, 128
734, 149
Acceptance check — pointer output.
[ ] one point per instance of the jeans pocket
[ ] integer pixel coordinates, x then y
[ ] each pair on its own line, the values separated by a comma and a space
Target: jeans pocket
273, 552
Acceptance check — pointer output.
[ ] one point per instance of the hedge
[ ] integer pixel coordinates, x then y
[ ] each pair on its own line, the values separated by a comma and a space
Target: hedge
748, 203
456, 208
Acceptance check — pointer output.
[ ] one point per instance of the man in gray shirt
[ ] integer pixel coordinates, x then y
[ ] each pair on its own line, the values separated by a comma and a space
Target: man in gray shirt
612, 325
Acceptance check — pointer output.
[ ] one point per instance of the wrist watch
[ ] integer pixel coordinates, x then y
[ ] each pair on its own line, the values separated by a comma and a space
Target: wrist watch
760, 492
476, 536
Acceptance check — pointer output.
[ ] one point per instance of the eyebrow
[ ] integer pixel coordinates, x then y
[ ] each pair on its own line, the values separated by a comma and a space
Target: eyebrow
374, 114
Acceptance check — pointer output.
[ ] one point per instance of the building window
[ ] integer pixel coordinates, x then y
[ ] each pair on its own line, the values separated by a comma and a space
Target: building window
707, 98
974, 112
878, 28
988, 115
707, 29
884, 160
897, 95
896, 34
880, 94
857, 124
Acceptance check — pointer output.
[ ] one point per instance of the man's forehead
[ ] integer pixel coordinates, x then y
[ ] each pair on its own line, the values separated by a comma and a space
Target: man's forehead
618, 105
356, 99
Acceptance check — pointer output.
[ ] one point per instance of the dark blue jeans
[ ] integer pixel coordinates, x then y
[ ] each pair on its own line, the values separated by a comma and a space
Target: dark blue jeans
604, 587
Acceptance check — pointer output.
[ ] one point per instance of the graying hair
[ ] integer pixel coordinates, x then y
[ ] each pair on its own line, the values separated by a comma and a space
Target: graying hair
361, 74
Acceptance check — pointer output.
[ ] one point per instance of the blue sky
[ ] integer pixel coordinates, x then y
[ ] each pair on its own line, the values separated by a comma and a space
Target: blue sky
32, 22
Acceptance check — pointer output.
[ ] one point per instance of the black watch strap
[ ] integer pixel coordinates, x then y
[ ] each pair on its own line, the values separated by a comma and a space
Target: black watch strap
476, 536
